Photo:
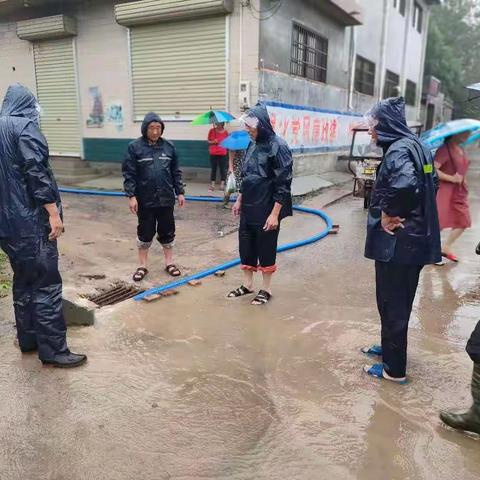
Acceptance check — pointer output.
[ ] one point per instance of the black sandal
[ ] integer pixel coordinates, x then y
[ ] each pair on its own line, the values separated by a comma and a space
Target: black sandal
239, 292
262, 298
140, 274
172, 270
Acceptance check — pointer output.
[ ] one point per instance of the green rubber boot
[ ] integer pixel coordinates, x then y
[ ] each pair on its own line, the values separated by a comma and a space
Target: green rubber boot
468, 421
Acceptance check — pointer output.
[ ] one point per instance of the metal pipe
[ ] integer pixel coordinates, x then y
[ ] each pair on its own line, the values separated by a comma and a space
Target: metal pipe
383, 48
418, 100
351, 80
403, 73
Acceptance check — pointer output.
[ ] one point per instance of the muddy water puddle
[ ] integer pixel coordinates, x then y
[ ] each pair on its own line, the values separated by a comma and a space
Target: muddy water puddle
198, 386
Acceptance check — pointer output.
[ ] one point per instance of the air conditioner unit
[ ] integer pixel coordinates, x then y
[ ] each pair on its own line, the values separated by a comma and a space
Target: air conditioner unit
245, 95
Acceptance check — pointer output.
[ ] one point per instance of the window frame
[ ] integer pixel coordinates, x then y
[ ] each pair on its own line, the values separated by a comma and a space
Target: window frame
410, 96
417, 17
387, 87
309, 54
401, 6
361, 85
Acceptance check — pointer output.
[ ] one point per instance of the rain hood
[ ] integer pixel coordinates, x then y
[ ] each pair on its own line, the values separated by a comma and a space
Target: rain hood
19, 101
150, 118
27, 182
391, 125
265, 129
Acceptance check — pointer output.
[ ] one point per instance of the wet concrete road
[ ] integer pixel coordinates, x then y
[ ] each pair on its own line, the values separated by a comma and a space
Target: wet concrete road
201, 387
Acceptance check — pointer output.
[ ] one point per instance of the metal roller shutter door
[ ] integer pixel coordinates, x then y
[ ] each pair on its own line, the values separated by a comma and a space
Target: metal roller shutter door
179, 68
57, 94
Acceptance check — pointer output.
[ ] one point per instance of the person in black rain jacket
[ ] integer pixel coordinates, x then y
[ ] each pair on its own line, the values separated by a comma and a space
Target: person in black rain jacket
264, 200
152, 178
403, 232
30, 223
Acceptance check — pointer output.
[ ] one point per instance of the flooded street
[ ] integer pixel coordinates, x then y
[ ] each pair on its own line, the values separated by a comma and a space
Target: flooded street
199, 386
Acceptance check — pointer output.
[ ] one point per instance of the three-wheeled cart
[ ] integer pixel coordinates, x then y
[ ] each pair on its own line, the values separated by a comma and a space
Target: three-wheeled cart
364, 159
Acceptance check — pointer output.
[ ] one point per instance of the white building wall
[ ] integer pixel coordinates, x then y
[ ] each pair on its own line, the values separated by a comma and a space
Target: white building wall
16, 59
395, 41
103, 62
368, 41
414, 51
244, 33
102, 52
369, 36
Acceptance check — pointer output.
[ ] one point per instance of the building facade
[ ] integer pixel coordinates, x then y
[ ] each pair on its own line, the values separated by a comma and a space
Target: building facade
98, 66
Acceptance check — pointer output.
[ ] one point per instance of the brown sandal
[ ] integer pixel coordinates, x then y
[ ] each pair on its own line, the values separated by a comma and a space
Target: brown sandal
172, 270
140, 274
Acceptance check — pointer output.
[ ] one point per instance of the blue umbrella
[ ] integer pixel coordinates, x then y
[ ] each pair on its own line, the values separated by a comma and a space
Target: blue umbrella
434, 138
473, 138
237, 141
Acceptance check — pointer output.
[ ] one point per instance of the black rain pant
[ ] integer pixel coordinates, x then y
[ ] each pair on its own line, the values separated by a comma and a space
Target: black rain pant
160, 220
473, 345
37, 295
218, 162
258, 248
396, 287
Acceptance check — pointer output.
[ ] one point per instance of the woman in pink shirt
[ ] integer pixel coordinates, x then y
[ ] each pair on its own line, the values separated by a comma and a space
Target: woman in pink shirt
218, 155
452, 197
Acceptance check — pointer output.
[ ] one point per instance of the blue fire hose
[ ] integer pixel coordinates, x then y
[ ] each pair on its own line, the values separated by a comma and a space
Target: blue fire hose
222, 266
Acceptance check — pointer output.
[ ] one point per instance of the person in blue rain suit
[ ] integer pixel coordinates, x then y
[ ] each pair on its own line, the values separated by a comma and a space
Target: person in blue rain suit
30, 224
265, 199
403, 233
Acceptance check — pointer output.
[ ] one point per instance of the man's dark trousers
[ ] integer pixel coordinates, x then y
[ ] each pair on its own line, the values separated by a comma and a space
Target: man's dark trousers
473, 345
37, 295
396, 288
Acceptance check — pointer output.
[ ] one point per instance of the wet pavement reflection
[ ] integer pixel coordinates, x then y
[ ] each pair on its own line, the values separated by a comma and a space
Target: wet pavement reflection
201, 386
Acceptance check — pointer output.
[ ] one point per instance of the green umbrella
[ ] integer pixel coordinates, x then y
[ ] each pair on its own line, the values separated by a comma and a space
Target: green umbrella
213, 116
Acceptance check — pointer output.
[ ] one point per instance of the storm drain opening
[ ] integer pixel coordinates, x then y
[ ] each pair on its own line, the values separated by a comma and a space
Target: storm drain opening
115, 294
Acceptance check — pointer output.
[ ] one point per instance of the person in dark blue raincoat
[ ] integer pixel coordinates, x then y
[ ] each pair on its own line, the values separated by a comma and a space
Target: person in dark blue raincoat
152, 178
403, 232
264, 200
30, 223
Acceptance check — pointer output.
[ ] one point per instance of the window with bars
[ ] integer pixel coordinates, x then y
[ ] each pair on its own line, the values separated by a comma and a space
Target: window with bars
364, 76
400, 5
392, 82
410, 93
417, 18
309, 54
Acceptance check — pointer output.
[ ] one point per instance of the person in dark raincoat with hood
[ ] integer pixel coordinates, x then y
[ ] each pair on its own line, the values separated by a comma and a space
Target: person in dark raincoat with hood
30, 224
152, 178
403, 231
264, 200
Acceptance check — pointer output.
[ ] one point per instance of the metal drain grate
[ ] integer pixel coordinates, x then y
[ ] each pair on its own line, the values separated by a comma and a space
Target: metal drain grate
116, 294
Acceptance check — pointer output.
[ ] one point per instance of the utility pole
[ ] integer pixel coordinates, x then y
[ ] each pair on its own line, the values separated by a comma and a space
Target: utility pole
408, 19
383, 48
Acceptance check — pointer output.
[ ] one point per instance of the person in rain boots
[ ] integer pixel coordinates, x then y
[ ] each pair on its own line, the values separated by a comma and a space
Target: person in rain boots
30, 224
403, 232
469, 421
152, 178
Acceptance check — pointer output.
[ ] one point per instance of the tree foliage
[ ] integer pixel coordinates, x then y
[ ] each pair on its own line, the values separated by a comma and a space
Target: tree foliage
453, 53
